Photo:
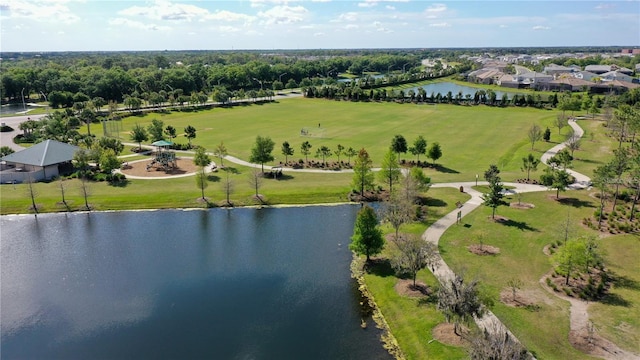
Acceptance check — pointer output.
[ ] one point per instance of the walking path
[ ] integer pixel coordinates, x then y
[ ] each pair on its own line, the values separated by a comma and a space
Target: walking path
490, 322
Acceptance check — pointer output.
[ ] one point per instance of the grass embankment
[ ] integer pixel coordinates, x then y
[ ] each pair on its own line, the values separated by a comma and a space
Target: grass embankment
544, 328
411, 320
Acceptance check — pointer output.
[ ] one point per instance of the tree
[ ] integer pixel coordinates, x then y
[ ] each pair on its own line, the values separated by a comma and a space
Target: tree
390, 170
111, 143
190, 133
419, 147
32, 193
156, 130
435, 152
138, 135
227, 186
399, 145
170, 131
367, 237
349, 153
202, 160
287, 151
5, 150
459, 301
339, 150
529, 163
63, 190
573, 142
570, 257
514, 284
495, 343
362, 173
547, 135
255, 181
261, 151
602, 177
634, 179
560, 180
305, 149
534, 134
414, 254
85, 192
493, 198
109, 161
619, 165
560, 122
397, 211
323, 152
220, 152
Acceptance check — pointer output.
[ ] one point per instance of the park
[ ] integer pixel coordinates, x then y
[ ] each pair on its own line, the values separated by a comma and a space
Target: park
471, 139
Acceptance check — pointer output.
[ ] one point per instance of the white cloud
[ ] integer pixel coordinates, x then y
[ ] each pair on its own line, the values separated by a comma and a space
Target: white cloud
228, 29
604, 6
442, 24
283, 15
351, 27
166, 10
436, 8
39, 10
502, 26
263, 3
540, 27
229, 16
390, 7
367, 4
318, 34
136, 24
346, 17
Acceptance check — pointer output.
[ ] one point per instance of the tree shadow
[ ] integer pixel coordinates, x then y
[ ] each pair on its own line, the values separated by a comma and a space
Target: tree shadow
614, 300
521, 225
230, 169
429, 201
446, 170
120, 184
576, 203
622, 281
380, 267
213, 178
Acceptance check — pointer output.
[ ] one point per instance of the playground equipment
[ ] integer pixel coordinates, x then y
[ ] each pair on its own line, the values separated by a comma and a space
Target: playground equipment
165, 160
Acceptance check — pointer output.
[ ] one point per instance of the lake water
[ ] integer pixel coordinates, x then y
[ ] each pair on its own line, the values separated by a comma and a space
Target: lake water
444, 87
216, 284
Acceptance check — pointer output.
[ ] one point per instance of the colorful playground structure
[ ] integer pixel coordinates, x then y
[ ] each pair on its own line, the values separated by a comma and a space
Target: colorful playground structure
165, 160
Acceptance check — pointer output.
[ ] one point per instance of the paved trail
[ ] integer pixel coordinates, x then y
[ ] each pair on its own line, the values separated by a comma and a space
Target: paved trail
578, 310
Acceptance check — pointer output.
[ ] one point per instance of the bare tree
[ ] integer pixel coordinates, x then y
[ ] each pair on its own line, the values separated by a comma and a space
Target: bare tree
85, 191
227, 186
397, 211
32, 193
514, 284
62, 192
495, 343
255, 180
573, 141
414, 255
534, 134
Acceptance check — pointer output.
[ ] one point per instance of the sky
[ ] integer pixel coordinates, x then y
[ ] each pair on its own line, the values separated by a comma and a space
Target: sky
121, 25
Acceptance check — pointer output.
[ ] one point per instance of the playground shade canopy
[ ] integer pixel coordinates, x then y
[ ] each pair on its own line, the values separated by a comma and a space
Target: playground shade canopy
162, 143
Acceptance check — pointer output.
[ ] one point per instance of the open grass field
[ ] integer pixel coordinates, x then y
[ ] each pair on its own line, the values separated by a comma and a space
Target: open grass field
471, 137
544, 330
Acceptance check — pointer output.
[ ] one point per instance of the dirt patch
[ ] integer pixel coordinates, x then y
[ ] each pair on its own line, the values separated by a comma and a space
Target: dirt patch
444, 334
139, 168
404, 287
483, 250
522, 299
523, 206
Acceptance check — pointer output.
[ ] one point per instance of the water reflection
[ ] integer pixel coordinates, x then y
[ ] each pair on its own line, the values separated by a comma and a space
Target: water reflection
270, 283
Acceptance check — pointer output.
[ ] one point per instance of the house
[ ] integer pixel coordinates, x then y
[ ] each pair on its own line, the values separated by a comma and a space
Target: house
484, 76
585, 75
553, 69
615, 86
569, 84
42, 161
615, 75
598, 69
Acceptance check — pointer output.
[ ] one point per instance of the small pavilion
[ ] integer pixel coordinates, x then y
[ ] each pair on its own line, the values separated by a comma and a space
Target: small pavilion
42, 161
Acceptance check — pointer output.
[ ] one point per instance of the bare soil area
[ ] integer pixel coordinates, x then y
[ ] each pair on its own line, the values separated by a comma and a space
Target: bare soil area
483, 249
139, 168
523, 206
404, 287
444, 334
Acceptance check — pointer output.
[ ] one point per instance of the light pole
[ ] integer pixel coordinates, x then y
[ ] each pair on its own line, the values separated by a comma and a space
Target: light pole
45, 100
259, 82
476, 179
24, 106
280, 76
404, 66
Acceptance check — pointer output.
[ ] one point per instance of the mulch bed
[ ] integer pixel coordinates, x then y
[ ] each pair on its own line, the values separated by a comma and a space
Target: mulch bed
139, 168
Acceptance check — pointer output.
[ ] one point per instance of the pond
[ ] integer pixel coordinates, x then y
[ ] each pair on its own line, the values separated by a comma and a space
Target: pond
14, 109
225, 284
444, 87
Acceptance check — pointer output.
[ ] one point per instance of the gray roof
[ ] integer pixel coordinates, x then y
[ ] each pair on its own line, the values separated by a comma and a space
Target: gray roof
43, 154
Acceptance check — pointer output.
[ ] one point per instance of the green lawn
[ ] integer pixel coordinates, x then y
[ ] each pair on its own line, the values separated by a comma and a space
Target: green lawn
521, 241
411, 321
471, 137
